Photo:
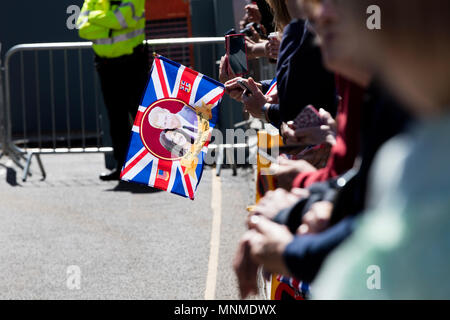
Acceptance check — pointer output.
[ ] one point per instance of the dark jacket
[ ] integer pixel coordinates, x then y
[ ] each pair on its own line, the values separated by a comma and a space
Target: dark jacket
301, 77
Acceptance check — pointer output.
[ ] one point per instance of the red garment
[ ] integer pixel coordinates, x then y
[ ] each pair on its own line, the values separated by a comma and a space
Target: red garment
344, 152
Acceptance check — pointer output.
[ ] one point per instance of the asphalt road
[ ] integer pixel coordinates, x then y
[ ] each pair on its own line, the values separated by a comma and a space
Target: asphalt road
124, 242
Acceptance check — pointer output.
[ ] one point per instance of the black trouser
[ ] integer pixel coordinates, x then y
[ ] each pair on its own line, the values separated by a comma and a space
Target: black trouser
123, 83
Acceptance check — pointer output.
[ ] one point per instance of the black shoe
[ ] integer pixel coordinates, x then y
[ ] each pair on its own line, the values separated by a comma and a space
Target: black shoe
112, 176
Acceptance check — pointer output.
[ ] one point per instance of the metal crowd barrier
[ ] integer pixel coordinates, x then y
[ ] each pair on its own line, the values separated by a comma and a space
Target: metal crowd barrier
23, 146
66, 92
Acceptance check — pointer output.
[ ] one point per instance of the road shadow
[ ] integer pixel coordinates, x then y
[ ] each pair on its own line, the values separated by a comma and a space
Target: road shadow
124, 186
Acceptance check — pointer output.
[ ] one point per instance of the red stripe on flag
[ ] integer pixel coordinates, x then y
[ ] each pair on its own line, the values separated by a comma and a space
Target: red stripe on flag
138, 119
186, 85
188, 185
162, 80
133, 163
217, 98
165, 166
271, 89
209, 140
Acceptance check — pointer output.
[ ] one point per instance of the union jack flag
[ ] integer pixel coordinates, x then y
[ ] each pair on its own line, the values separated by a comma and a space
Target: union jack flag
166, 82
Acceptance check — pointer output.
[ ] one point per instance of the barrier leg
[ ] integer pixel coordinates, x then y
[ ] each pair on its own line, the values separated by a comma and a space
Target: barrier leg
16, 159
230, 157
17, 151
26, 170
41, 166
27, 167
219, 160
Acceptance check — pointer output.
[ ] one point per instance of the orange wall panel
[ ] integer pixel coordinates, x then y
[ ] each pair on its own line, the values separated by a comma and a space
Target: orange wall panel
166, 9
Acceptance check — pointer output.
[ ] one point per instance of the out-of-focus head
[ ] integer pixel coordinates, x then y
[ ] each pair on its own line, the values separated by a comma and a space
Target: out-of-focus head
339, 47
411, 50
295, 9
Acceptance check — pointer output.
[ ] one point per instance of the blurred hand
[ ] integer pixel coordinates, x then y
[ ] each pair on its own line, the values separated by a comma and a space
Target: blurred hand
234, 89
254, 102
287, 131
255, 35
325, 133
314, 136
328, 120
275, 201
245, 268
273, 97
317, 219
285, 171
255, 49
268, 241
318, 158
225, 72
252, 13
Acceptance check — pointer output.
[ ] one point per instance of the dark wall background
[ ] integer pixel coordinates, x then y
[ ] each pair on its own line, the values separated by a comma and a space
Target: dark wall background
35, 21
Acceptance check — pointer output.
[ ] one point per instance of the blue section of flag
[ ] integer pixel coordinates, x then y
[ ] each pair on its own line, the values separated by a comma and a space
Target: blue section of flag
203, 88
178, 185
144, 176
206, 85
150, 94
171, 74
134, 146
273, 82
215, 118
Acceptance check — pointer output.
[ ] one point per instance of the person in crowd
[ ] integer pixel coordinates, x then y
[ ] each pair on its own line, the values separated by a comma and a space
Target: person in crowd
117, 30
401, 245
303, 173
301, 77
258, 44
316, 225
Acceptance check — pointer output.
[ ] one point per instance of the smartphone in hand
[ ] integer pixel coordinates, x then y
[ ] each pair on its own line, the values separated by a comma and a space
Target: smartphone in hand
237, 54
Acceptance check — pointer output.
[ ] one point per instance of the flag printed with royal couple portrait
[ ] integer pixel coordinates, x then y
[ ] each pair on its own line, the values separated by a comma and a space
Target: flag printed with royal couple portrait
172, 129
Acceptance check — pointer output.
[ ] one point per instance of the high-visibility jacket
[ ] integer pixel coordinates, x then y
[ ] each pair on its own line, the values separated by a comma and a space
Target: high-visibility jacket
114, 27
